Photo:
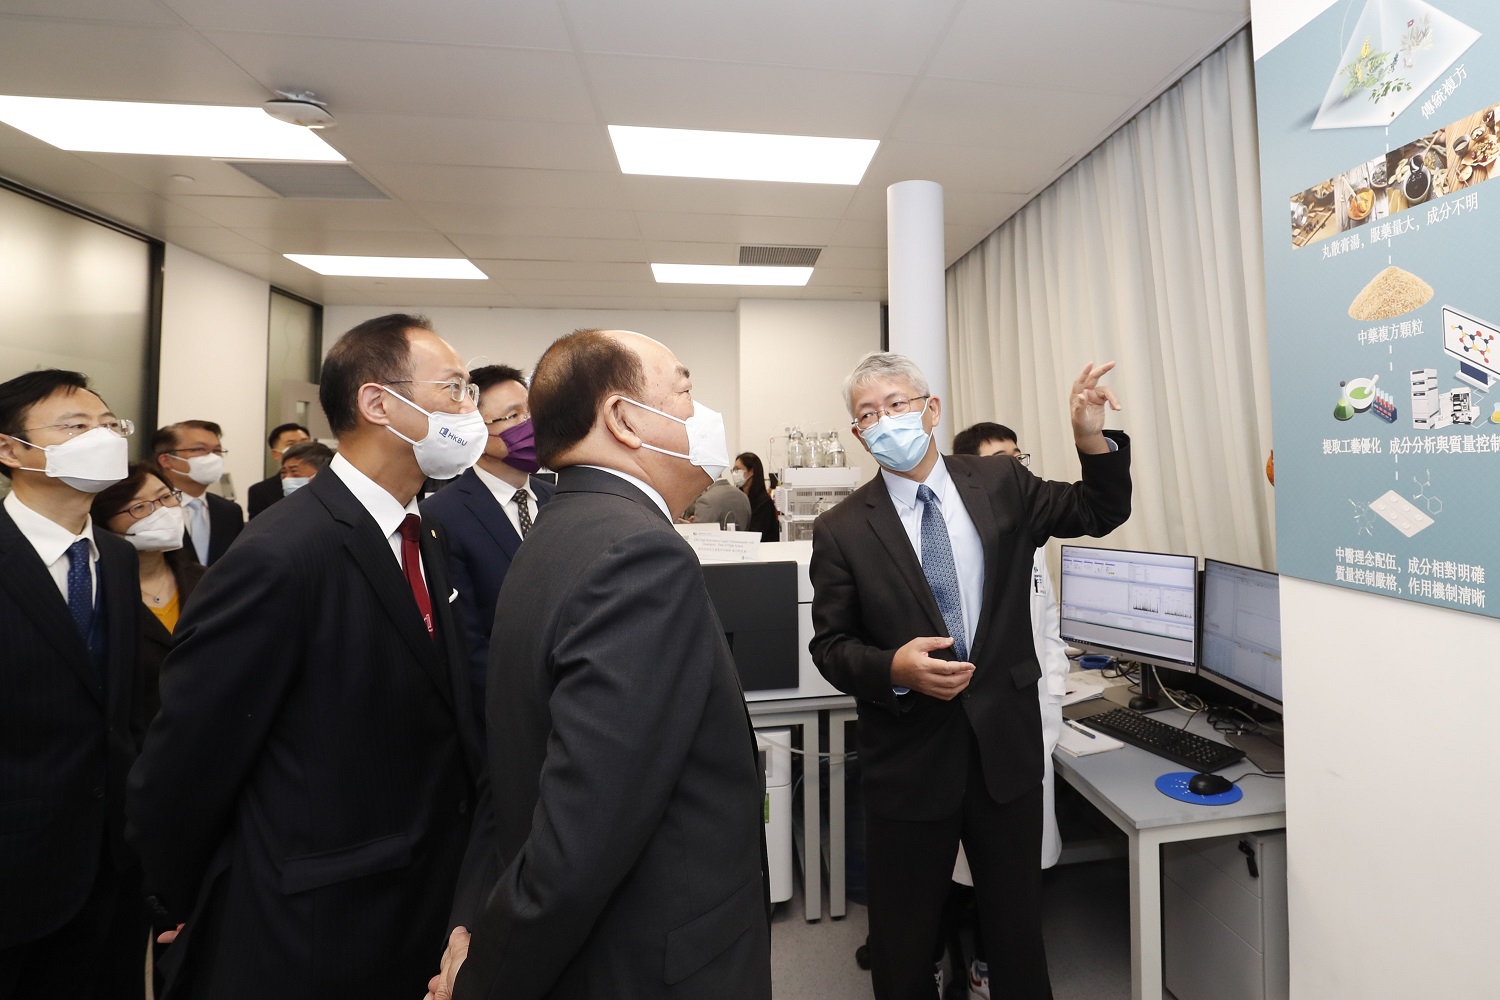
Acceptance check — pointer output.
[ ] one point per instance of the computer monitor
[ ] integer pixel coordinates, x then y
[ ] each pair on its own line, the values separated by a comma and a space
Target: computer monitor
1476, 345
1242, 631
1139, 605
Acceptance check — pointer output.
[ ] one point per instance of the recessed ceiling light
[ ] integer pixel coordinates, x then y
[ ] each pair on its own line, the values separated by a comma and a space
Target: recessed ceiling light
389, 267
729, 274
163, 129
746, 156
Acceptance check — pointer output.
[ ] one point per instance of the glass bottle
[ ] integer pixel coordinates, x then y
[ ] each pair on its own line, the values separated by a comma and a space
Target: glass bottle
836, 456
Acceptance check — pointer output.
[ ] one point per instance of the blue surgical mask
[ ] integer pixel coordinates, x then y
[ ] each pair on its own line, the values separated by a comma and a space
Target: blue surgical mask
898, 442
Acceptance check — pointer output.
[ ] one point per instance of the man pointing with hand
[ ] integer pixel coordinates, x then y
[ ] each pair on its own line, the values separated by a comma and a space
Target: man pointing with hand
921, 611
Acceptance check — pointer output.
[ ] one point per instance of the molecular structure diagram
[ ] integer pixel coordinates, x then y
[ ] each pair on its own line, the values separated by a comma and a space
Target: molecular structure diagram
1364, 518
1424, 494
1478, 342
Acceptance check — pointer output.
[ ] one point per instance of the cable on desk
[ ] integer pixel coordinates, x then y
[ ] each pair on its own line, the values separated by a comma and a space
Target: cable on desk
1257, 773
830, 757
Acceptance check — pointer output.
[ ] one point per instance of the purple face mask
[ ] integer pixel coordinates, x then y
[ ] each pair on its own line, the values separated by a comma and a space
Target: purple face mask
521, 440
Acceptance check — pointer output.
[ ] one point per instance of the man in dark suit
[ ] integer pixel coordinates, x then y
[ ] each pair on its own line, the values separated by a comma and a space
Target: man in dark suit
70, 920
488, 510
191, 453
921, 582
304, 797
627, 791
266, 492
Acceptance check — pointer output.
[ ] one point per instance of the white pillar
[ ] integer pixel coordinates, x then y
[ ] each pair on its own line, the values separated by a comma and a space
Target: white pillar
918, 297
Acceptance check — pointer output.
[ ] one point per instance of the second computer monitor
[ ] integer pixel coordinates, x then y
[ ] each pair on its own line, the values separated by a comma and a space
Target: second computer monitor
1140, 605
1242, 631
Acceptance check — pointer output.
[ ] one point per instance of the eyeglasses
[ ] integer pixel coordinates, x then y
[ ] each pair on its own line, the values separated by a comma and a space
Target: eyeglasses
1024, 457
142, 510
198, 451
894, 408
458, 391
508, 418
73, 428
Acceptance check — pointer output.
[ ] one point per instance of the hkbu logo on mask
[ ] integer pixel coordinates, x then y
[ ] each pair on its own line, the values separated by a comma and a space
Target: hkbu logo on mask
445, 432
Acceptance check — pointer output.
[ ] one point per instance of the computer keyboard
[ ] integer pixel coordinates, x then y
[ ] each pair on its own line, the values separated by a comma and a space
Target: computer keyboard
1187, 749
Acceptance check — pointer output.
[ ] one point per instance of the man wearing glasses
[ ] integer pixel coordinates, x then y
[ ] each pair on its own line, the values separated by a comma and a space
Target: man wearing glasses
489, 510
191, 453
920, 582
304, 798
70, 918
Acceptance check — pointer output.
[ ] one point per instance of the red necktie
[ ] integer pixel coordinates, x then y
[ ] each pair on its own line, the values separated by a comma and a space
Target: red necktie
411, 565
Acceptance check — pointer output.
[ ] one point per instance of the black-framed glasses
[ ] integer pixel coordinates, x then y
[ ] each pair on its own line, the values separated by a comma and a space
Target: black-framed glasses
73, 428
458, 391
894, 408
141, 510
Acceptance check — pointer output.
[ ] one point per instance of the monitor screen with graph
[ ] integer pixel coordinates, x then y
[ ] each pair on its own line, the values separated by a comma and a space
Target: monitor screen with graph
1139, 605
1476, 345
1242, 631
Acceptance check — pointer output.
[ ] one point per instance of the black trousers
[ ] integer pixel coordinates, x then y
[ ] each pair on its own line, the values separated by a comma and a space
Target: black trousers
909, 871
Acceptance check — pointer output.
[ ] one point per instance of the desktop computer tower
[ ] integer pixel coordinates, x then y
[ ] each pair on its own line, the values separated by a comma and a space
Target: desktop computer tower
1224, 918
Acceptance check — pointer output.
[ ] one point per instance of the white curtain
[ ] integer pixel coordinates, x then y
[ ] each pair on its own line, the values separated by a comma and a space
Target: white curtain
1148, 253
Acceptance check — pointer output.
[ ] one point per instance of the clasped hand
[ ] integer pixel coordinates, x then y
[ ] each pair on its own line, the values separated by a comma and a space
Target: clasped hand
913, 668
440, 987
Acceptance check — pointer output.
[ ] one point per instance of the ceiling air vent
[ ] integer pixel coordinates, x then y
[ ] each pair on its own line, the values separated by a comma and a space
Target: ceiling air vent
780, 256
310, 180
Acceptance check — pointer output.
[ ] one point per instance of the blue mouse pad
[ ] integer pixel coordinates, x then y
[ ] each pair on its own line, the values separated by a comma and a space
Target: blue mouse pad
1175, 786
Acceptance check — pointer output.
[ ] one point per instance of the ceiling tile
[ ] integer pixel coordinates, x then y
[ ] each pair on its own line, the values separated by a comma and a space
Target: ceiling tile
615, 224
526, 300
281, 213
735, 97
860, 233
960, 207
538, 286
155, 174
459, 22
857, 257
713, 228
875, 36
547, 248
1052, 123
515, 272
672, 252
210, 240
953, 166
54, 171
117, 11
1109, 47
367, 76
141, 210
474, 142
718, 304
498, 186
354, 242
847, 277
691, 194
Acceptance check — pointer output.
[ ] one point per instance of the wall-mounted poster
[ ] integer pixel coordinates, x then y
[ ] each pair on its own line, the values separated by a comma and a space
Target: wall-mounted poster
1379, 130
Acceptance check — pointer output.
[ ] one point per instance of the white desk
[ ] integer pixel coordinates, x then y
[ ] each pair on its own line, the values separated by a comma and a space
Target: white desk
1121, 784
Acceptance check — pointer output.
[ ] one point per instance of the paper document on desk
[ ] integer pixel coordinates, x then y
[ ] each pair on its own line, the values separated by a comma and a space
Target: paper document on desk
1075, 743
1082, 689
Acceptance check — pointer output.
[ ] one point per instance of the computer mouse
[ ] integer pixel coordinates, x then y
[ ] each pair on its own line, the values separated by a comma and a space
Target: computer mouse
1209, 784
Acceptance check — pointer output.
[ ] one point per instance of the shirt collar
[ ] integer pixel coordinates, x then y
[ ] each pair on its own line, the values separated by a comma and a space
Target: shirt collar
904, 491
504, 492
49, 538
388, 514
639, 484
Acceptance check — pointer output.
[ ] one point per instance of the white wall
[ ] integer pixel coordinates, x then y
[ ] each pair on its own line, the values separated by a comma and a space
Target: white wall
793, 356
703, 341
214, 328
1391, 796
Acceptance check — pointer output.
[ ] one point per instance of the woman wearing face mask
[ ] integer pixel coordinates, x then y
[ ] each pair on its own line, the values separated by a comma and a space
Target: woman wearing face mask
750, 475
147, 512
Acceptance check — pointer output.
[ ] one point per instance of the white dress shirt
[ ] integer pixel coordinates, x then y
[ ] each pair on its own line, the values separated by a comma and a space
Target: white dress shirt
505, 494
373, 497
639, 484
968, 550
51, 541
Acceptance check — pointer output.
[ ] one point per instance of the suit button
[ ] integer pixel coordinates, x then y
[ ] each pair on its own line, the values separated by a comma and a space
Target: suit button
98, 791
463, 807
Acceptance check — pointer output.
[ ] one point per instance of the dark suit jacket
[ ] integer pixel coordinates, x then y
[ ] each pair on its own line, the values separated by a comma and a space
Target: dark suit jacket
305, 795
225, 522
481, 545
627, 790
263, 494
156, 641
65, 735
870, 598
763, 519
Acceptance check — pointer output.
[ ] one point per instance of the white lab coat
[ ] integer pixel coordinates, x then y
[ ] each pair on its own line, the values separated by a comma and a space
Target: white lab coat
1051, 653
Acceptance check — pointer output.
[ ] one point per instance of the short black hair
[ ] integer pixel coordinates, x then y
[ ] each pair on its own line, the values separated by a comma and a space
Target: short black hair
281, 429
165, 438
314, 453
968, 440
492, 375
112, 499
756, 474
21, 393
377, 351
570, 381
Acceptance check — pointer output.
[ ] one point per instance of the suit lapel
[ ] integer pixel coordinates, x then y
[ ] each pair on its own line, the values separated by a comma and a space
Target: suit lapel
886, 524
36, 594
487, 511
977, 503
120, 583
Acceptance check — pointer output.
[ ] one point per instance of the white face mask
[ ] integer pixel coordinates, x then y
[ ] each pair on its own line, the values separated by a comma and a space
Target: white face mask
708, 448
90, 463
737, 477
205, 470
160, 531
453, 443
291, 484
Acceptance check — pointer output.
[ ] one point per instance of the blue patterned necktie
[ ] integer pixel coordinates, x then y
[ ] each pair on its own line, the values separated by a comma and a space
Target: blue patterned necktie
940, 570
80, 587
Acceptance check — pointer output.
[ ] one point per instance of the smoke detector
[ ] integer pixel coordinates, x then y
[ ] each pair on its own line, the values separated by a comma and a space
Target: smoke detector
299, 108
